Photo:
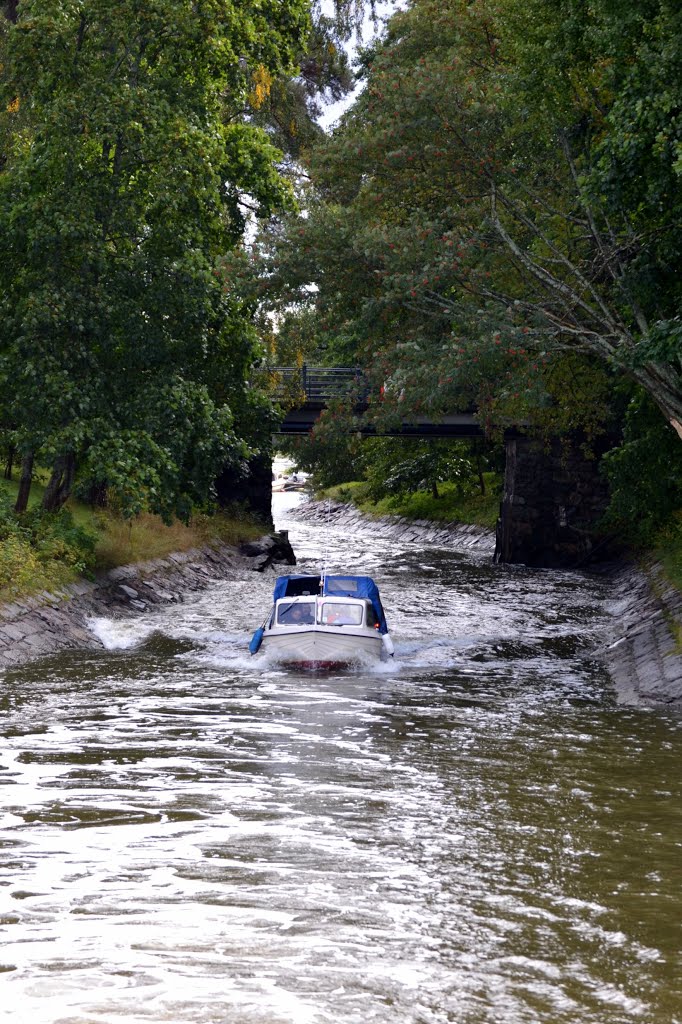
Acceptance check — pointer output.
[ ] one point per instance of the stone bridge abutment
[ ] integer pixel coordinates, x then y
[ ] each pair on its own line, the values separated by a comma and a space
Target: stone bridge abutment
552, 500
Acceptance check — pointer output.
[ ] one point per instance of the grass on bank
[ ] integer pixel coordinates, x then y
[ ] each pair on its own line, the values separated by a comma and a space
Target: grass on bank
46, 552
123, 542
450, 507
668, 550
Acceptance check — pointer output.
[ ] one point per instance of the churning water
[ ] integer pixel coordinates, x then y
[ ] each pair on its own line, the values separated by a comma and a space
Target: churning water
476, 832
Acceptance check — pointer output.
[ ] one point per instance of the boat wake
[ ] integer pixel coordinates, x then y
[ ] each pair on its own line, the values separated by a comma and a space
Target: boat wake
121, 634
235, 656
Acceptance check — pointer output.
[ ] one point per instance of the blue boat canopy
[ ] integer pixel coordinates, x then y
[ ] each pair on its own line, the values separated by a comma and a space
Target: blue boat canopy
333, 586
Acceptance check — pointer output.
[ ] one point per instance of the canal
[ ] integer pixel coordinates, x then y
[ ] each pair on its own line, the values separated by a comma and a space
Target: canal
475, 833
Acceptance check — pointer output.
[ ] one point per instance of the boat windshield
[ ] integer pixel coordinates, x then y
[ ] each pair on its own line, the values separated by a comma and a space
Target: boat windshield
337, 614
296, 613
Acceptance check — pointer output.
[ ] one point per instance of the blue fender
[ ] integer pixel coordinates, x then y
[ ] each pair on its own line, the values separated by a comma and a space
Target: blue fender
256, 640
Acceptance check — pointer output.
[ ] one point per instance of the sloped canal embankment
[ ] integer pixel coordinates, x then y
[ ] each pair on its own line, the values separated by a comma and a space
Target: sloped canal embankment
49, 622
642, 644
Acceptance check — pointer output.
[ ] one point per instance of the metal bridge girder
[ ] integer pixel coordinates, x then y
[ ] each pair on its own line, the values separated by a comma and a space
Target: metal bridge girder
315, 386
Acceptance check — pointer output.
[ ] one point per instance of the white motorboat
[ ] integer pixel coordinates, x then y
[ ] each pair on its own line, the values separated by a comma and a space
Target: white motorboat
289, 481
324, 621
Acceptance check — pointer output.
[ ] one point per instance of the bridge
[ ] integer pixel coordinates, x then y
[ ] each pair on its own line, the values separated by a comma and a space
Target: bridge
308, 390
553, 497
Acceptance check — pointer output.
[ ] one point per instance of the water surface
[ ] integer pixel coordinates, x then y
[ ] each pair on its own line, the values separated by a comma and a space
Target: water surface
476, 832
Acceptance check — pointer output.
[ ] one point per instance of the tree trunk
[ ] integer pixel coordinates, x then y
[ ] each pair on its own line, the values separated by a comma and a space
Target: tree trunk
11, 452
60, 483
97, 495
664, 384
25, 482
434, 489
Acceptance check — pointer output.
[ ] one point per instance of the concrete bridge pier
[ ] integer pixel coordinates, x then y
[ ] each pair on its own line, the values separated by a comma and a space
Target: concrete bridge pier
552, 500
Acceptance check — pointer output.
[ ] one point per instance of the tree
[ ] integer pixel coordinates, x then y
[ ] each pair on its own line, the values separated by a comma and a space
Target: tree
485, 210
398, 466
332, 455
644, 474
289, 107
127, 163
613, 112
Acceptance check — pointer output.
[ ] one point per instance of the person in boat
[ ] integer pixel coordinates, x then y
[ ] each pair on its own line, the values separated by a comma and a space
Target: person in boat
342, 615
298, 615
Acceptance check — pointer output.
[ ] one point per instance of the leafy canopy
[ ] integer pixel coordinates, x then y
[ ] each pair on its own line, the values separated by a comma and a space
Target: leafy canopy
128, 160
503, 200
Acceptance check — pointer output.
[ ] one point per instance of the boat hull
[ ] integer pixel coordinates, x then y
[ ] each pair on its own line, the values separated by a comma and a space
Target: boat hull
322, 648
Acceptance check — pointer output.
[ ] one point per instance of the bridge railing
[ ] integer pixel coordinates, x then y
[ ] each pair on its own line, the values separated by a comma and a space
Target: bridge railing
303, 392
316, 384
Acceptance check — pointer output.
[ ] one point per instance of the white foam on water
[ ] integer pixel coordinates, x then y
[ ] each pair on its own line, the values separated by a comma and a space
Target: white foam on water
121, 634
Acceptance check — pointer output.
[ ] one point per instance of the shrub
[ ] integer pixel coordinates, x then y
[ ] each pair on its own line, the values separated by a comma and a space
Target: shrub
56, 538
645, 474
40, 550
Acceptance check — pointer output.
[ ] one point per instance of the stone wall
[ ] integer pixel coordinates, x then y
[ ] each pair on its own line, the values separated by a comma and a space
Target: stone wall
644, 648
50, 622
553, 498
462, 536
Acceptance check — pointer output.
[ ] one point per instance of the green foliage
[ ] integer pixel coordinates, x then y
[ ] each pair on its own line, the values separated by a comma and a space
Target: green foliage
668, 551
399, 466
20, 570
331, 455
450, 506
351, 492
290, 106
128, 170
645, 474
44, 551
432, 479
171, 471
485, 217
10, 525
663, 344
40, 550
55, 537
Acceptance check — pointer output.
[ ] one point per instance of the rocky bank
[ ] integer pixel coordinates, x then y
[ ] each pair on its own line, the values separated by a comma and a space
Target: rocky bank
460, 535
644, 650
49, 622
